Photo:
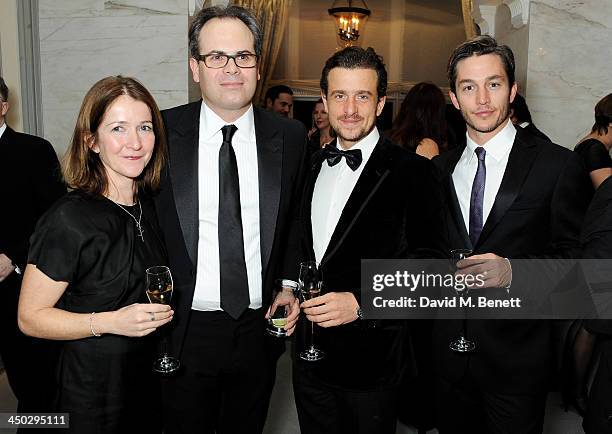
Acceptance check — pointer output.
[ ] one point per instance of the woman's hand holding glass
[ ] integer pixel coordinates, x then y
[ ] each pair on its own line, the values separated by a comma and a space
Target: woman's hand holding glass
137, 320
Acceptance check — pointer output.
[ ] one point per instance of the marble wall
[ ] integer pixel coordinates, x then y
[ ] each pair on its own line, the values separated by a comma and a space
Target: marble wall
570, 58
82, 42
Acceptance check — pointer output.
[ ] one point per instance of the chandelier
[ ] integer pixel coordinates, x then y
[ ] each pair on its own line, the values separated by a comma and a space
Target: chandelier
350, 17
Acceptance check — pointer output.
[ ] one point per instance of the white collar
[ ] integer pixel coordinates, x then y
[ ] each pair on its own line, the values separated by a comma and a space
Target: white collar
2, 128
211, 123
497, 146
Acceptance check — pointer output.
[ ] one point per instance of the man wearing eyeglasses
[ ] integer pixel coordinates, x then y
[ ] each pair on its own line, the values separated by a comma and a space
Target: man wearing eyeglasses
229, 216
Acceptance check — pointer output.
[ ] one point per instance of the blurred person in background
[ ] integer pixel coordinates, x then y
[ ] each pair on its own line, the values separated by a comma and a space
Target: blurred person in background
279, 99
520, 116
321, 133
420, 125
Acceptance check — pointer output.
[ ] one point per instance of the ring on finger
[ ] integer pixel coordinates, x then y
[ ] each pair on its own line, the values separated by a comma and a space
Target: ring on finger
152, 316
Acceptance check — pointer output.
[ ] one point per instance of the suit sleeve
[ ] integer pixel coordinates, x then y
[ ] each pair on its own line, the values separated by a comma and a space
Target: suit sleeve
427, 228
47, 186
295, 246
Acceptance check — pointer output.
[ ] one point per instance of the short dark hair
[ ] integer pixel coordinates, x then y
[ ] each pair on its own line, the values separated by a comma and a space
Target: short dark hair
603, 115
480, 46
236, 12
520, 110
3, 90
274, 91
83, 168
357, 58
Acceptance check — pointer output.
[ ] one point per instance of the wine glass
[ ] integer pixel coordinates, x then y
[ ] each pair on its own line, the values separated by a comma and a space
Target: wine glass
309, 284
282, 297
159, 290
461, 344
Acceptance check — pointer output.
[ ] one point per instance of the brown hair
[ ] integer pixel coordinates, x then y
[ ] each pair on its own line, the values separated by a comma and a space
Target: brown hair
479, 46
83, 169
603, 115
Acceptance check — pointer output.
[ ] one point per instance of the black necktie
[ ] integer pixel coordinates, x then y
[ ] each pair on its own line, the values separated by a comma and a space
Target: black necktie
334, 155
232, 266
477, 196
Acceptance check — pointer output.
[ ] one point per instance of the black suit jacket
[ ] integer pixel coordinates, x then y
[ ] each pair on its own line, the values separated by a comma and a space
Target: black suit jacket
30, 181
394, 211
538, 212
281, 151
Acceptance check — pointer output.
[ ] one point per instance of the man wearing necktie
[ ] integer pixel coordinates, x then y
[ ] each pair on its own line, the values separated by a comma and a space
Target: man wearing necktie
365, 198
509, 195
229, 213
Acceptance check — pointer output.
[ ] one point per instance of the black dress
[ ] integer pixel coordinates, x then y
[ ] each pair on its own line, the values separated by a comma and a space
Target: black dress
594, 154
105, 383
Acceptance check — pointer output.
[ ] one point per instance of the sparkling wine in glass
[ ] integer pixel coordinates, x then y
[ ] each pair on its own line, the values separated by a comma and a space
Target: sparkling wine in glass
159, 291
309, 284
461, 344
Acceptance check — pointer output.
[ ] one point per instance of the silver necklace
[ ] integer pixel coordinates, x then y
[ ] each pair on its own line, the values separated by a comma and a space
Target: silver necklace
138, 225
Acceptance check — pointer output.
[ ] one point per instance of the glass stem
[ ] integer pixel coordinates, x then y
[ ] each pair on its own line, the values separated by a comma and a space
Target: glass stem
312, 335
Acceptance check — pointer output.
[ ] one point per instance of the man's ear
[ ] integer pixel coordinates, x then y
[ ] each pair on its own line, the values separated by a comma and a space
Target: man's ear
454, 100
380, 105
195, 69
324, 98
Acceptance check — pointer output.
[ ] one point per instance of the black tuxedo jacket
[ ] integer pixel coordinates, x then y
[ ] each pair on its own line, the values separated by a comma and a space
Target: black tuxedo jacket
30, 181
394, 211
281, 151
538, 212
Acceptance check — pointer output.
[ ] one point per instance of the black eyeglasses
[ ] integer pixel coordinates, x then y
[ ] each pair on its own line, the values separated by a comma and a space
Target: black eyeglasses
219, 60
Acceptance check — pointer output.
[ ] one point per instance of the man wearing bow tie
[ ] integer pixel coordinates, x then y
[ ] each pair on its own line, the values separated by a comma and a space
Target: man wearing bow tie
365, 198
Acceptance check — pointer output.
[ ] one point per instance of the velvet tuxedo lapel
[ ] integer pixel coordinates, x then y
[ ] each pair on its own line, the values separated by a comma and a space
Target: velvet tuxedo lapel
451, 195
315, 167
270, 142
520, 160
375, 171
184, 175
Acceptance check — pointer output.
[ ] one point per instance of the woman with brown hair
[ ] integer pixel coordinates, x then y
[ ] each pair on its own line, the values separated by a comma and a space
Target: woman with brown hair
321, 132
85, 279
420, 125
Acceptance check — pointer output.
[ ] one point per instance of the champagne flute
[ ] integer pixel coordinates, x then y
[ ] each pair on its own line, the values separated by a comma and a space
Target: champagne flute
282, 297
461, 344
309, 284
159, 290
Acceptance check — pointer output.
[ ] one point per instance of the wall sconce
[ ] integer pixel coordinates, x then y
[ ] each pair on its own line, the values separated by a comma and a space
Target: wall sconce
350, 17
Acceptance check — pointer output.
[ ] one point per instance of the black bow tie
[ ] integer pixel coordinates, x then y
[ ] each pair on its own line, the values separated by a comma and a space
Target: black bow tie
333, 156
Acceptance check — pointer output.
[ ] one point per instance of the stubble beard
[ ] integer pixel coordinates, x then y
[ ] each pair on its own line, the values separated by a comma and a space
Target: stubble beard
503, 117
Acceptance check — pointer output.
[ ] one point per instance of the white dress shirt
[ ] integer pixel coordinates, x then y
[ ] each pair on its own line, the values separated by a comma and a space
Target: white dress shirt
207, 295
332, 189
2, 129
496, 159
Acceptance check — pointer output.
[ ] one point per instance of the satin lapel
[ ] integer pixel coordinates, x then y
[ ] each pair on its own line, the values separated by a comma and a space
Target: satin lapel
375, 171
184, 175
269, 165
520, 160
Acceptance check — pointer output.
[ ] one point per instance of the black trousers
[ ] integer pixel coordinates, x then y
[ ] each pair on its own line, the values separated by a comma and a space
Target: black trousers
323, 409
30, 363
226, 377
463, 408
